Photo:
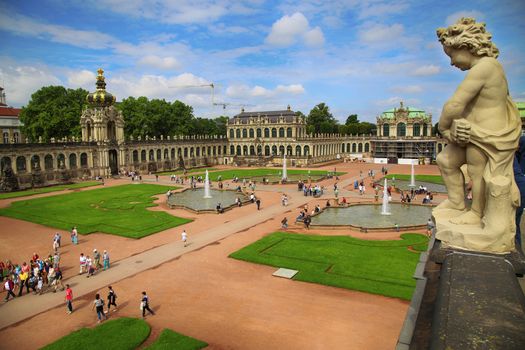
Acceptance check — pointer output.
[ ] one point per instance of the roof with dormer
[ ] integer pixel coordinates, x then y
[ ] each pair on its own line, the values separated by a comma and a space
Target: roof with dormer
405, 111
273, 116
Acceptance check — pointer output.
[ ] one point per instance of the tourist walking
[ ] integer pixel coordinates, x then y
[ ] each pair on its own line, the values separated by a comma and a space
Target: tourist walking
284, 223
83, 264
258, 203
184, 237
96, 259
98, 305
69, 299
9, 285
144, 305
430, 227
74, 235
112, 299
105, 259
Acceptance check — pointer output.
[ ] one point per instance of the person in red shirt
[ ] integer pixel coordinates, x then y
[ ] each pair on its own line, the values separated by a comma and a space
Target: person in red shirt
69, 299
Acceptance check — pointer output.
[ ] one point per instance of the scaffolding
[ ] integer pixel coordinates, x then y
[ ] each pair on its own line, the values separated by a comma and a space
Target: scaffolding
408, 149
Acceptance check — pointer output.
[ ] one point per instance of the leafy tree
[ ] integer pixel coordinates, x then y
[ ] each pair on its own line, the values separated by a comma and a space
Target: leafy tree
367, 128
53, 111
221, 123
320, 120
352, 119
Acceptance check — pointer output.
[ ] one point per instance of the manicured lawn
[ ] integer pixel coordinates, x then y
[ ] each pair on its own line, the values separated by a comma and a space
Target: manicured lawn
121, 334
190, 171
169, 339
267, 172
378, 267
48, 189
436, 179
119, 210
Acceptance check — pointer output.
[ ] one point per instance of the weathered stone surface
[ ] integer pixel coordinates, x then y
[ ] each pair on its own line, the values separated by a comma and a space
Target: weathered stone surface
479, 305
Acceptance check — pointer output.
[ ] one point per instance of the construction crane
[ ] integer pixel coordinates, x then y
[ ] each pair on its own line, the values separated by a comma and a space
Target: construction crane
212, 85
224, 104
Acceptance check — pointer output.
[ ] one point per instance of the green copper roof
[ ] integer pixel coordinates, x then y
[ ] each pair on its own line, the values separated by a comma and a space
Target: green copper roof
521, 108
412, 113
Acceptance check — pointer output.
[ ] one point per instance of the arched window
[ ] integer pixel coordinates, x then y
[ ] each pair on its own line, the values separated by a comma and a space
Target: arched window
5, 163
143, 155
289, 132
232, 150
401, 130
48, 162
360, 148
135, 156
281, 150
112, 132
238, 133
185, 152
386, 129
266, 132
274, 150
6, 137
232, 134
297, 150
289, 150
16, 136
416, 130
172, 153
274, 132
192, 152
425, 130
72, 161
259, 134
244, 133
61, 161
209, 150
259, 150
244, 150
354, 148
281, 132
266, 150
35, 162
306, 150
166, 154
21, 164
159, 154
198, 150
84, 160
252, 150
348, 148
151, 155
367, 147
238, 150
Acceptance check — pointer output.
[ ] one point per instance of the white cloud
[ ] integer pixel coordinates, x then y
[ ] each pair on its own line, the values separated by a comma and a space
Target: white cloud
244, 91
84, 79
453, 18
394, 102
160, 62
407, 89
376, 33
22, 80
292, 89
314, 37
376, 9
289, 29
426, 70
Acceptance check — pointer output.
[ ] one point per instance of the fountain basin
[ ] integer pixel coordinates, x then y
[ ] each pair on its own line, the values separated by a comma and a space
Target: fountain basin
193, 200
405, 186
368, 216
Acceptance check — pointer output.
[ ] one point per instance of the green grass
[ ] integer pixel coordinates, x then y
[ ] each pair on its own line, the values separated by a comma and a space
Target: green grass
266, 172
378, 267
435, 179
119, 210
169, 339
121, 334
190, 171
48, 189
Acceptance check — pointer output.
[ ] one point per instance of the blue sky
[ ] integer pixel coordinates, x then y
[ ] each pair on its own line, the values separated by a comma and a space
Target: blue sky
357, 56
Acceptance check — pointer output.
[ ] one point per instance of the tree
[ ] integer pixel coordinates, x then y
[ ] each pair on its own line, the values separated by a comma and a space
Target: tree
320, 120
352, 119
53, 111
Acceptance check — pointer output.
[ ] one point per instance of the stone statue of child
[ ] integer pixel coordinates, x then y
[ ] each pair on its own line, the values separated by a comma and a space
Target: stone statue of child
480, 121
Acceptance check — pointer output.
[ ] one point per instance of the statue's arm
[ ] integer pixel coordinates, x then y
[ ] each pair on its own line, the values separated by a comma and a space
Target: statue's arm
464, 95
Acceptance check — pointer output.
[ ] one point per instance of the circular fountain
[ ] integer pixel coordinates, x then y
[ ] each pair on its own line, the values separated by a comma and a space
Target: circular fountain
371, 217
193, 200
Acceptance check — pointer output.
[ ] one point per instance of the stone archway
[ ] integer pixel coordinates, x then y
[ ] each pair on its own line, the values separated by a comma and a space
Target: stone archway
113, 161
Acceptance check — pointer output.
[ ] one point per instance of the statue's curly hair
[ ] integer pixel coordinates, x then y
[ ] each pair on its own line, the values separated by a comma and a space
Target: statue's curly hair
467, 34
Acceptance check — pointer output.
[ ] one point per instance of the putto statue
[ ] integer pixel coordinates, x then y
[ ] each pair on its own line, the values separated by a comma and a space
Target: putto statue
482, 125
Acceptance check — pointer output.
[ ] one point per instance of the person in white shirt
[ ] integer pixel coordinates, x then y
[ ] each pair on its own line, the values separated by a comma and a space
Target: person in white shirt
184, 236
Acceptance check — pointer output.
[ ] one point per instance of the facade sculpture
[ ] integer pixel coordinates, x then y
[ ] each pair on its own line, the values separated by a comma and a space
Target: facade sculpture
482, 125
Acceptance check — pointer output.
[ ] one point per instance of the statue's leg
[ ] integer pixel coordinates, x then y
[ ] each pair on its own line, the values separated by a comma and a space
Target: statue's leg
449, 161
476, 162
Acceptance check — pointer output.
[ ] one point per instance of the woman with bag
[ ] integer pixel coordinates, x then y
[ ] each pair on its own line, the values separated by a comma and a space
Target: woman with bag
98, 304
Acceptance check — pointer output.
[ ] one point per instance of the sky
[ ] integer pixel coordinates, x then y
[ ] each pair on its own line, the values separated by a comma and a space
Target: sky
357, 56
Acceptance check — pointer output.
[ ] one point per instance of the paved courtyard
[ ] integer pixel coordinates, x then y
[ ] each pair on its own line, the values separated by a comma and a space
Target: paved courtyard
200, 292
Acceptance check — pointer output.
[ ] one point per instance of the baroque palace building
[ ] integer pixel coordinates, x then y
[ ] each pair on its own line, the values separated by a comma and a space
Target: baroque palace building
253, 138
